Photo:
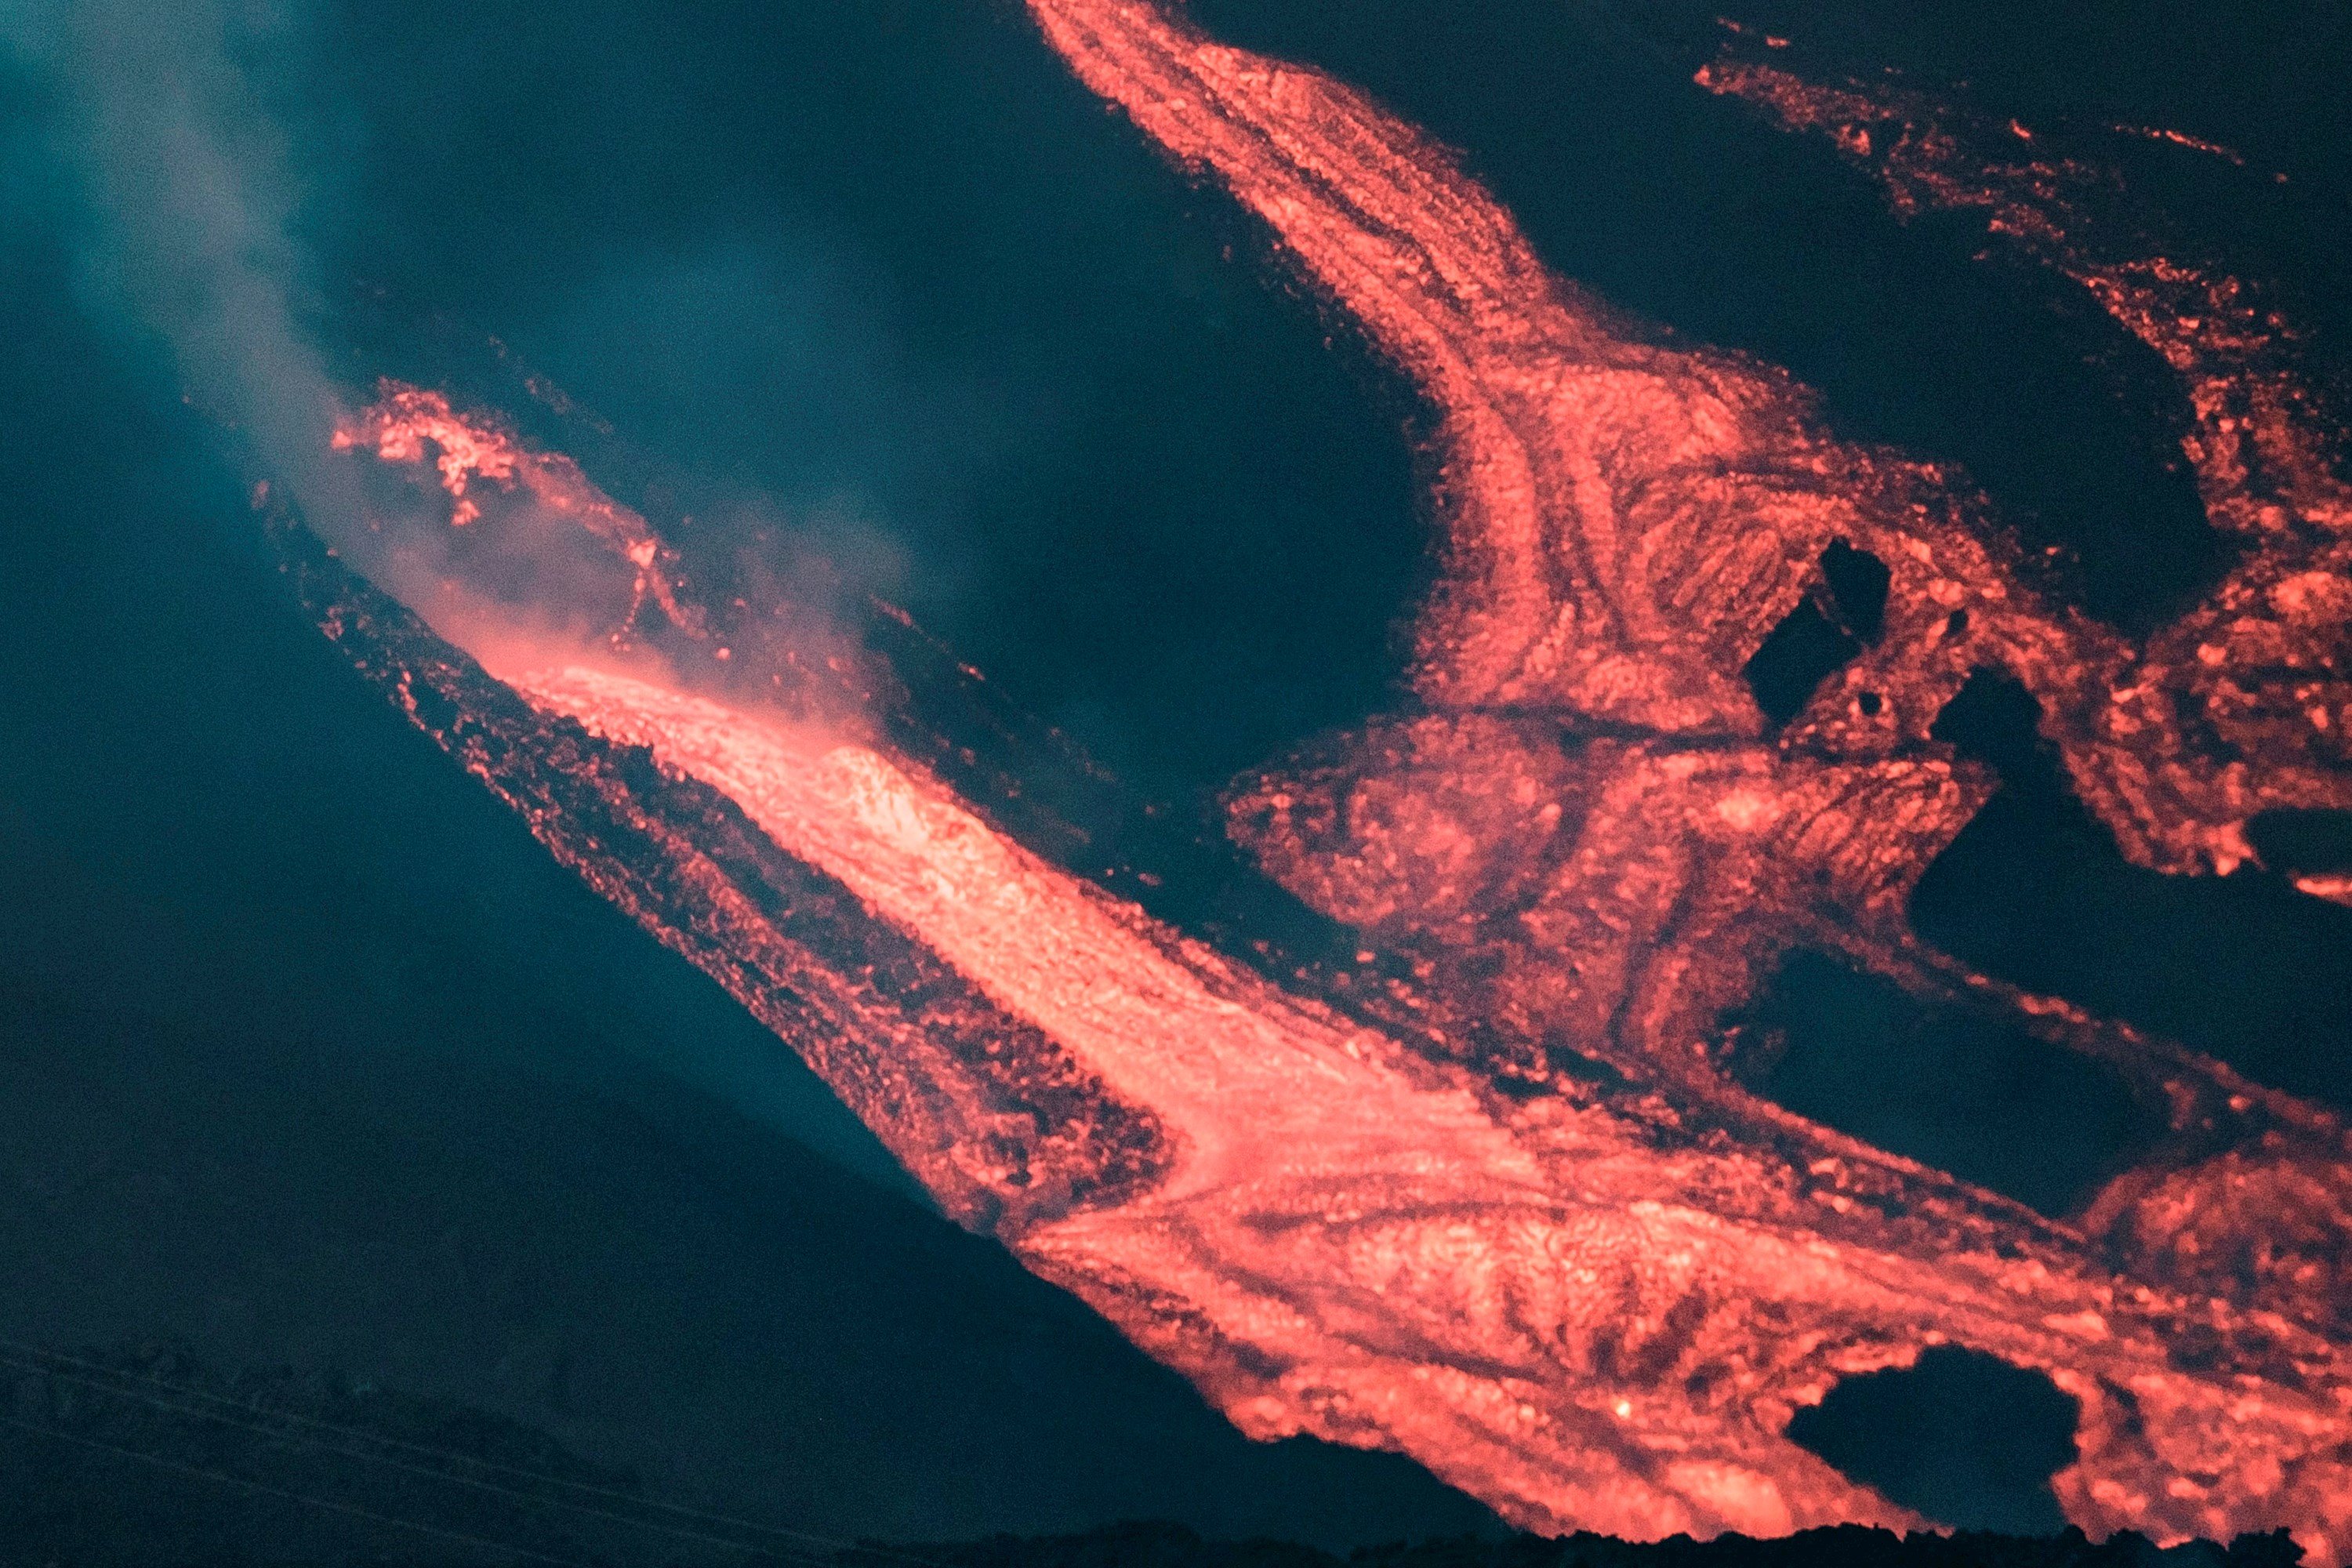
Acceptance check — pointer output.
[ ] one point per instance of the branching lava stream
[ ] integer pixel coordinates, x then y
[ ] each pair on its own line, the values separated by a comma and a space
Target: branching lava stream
1417, 1215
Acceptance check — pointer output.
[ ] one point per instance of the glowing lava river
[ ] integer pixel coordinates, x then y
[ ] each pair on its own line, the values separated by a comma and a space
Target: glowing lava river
1500, 1201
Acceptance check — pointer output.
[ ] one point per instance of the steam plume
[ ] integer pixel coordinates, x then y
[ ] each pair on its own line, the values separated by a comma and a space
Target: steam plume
187, 209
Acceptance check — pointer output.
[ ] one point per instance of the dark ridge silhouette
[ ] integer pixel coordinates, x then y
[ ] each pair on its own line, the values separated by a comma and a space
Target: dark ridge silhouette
148, 1457
1845, 1546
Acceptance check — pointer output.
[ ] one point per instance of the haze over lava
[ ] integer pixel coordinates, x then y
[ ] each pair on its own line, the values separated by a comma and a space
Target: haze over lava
1500, 1201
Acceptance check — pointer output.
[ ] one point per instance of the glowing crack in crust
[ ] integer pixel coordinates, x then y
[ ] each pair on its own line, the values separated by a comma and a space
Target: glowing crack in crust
1399, 1216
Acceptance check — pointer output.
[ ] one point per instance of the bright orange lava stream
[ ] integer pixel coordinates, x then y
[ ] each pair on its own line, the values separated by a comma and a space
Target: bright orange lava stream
1398, 1219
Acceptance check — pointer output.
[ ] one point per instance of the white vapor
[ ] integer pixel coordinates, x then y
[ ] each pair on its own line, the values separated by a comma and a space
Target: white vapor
187, 204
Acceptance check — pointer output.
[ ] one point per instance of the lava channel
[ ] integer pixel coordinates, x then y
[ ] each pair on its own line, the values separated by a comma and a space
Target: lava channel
1511, 1212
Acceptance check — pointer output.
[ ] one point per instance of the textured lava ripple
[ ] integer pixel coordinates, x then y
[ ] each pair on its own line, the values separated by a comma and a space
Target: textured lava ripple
1499, 1203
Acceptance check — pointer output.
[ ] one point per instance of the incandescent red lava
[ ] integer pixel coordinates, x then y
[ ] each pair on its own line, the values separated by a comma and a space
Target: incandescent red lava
1408, 1213
407, 423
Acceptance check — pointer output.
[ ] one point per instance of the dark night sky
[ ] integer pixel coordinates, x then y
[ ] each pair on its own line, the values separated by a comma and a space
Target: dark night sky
310, 1056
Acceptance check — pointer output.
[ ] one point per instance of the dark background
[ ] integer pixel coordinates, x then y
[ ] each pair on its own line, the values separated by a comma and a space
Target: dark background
308, 1056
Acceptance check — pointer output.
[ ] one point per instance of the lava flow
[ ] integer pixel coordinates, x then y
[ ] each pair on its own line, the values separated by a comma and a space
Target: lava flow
1510, 1211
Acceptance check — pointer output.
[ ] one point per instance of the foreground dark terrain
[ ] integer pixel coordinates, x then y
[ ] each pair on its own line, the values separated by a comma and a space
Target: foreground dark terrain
311, 1059
146, 1455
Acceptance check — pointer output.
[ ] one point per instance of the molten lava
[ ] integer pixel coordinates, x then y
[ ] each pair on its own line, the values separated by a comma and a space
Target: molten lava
407, 423
1508, 1210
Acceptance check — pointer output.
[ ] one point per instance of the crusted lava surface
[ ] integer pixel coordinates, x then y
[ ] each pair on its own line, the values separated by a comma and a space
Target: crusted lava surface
1496, 1194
